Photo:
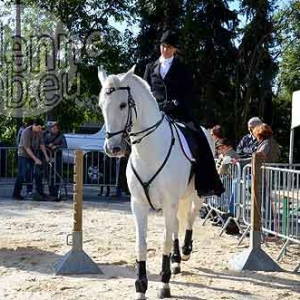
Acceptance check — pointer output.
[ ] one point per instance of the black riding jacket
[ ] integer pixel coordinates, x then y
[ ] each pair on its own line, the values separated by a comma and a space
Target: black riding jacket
176, 92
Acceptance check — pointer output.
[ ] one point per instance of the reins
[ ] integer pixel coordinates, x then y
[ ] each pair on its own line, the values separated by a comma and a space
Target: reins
146, 185
126, 133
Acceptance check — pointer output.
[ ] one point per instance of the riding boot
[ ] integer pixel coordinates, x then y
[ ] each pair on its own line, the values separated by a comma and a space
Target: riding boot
207, 179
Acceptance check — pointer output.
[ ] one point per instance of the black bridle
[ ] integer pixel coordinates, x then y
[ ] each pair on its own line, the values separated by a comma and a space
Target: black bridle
126, 134
131, 104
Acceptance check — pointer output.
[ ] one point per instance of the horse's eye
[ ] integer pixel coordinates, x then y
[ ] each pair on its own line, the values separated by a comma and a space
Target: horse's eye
110, 90
123, 105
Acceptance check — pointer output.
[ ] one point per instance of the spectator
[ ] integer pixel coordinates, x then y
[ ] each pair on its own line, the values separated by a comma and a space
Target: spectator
28, 177
227, 156
31, 143
217, 134
268, 148
55, 141
227, 153
3, 162
248, 143
27, 123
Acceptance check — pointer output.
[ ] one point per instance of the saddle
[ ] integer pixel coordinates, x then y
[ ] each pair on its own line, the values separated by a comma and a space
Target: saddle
188, 139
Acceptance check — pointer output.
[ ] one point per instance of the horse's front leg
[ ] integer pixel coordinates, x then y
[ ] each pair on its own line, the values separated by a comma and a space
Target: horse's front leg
140, 214
176, 257
170, 215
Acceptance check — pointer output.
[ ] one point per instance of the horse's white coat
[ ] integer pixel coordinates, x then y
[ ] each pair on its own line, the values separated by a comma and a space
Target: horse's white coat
172, 183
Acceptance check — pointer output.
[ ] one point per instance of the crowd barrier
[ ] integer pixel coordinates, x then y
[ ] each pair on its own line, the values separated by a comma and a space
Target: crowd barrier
229, 203
98, 169
280, 209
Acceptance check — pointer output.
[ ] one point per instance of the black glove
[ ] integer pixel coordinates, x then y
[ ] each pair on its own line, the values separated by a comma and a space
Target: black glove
168, 107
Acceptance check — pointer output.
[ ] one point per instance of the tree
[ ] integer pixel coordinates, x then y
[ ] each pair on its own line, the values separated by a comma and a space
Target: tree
209, 31
288, 79
154, 17
257, 65
99, 42
289, 75
206, 31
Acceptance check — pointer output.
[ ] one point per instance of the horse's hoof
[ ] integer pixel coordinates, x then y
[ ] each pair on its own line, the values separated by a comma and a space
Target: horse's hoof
185, 257
164, 293
140, 296
175, 268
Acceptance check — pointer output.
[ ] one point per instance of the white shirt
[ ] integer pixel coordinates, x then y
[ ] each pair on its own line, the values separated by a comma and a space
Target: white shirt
165, 64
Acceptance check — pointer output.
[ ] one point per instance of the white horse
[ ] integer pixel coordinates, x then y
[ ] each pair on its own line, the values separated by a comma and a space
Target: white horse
158, 171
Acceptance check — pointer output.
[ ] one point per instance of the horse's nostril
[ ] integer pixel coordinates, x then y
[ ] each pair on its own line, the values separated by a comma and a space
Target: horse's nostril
116, 149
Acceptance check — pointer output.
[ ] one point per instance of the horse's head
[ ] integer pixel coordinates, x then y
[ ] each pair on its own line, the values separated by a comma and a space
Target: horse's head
116, 103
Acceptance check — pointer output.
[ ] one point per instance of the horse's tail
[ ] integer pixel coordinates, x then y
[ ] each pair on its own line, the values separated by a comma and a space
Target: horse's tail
185, 206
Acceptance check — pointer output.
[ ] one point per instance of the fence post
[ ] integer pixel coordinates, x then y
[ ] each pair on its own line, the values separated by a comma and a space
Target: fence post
254, 258
76, 261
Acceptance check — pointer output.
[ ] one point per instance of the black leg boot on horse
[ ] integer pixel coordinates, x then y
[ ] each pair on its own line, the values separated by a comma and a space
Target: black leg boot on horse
141, 283
176, 258
207, 179
187, 247
165, 278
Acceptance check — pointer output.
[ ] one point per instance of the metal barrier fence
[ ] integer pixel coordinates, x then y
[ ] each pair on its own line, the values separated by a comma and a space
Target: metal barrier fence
99, 169
229, 202
280, 211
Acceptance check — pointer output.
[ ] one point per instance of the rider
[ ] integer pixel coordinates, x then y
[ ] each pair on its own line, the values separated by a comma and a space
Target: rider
173, 87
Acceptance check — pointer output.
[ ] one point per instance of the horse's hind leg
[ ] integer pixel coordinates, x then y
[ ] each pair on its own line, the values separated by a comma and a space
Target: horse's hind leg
187, 247
140, 214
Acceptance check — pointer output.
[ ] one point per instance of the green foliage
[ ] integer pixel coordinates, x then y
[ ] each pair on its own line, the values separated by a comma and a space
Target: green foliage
237, 66
99, 42
289, 76
257, 65
206, 32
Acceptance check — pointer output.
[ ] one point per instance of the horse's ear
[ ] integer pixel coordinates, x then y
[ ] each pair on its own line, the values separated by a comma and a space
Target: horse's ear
129, 73
102, 75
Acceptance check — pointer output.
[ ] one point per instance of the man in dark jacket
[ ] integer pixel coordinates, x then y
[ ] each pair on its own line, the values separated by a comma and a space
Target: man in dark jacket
55, 141
173, 87
248, 144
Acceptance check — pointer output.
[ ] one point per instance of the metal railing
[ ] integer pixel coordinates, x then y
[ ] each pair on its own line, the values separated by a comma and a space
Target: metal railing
280, 209
229, 202
98, 169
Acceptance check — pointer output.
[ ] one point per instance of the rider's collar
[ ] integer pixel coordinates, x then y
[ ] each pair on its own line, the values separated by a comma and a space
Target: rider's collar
163, 60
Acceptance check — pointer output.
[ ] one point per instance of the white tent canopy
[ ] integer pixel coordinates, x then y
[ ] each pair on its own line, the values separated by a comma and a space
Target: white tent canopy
295, 121
296, 110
